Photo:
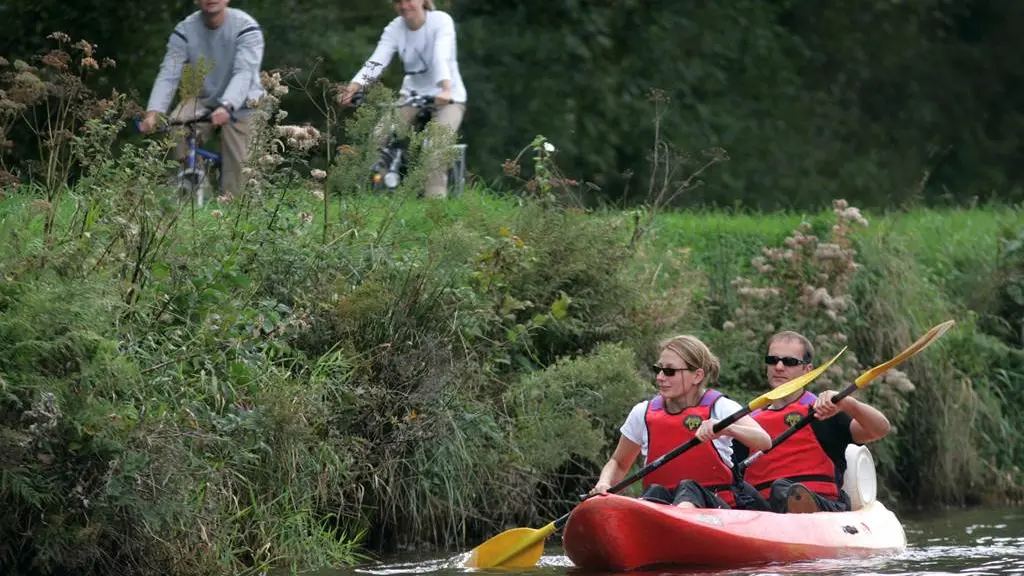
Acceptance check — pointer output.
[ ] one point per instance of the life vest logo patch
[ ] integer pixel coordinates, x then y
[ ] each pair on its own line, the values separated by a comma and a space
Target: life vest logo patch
792, 418
692, 422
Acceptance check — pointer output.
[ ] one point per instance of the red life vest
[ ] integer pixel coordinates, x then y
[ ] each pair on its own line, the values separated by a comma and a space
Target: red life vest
801, 458
702, 463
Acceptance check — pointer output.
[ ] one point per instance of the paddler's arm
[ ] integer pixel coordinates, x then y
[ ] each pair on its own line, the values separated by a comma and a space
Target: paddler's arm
747, 431
618, 465
869, 424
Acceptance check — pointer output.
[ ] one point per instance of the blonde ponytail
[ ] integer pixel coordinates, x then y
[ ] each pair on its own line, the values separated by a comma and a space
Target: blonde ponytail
696, 354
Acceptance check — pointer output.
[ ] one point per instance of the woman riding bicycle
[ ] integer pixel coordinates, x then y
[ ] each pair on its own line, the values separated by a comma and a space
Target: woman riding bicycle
424, 38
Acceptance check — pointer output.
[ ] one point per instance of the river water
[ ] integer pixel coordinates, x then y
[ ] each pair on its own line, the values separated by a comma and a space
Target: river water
975, 542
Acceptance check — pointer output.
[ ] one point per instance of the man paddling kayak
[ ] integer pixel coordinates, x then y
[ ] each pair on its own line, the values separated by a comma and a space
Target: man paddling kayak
805, 473
684, 408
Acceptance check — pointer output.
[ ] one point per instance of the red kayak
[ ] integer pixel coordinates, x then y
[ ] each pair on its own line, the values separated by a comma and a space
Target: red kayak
617, 533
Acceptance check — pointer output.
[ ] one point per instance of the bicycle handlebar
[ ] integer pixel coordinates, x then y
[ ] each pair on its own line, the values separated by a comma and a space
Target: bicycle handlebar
415, 100
203, 118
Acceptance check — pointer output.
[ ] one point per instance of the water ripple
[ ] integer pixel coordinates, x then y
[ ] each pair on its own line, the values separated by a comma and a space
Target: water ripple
962, 543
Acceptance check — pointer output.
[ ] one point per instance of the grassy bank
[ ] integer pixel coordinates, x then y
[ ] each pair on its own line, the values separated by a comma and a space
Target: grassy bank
434, 373
309, 374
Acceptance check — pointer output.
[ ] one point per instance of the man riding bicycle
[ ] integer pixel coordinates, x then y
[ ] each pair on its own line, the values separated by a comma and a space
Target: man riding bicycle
424, 38
230, 41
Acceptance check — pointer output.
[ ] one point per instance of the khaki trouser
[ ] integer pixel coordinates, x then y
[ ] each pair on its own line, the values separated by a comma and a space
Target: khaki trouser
234, 143
449, 115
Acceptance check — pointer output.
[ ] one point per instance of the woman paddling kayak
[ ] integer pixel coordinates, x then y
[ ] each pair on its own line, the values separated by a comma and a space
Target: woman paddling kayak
685, 407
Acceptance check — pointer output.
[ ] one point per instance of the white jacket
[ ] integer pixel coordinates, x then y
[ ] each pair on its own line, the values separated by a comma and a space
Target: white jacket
428, 56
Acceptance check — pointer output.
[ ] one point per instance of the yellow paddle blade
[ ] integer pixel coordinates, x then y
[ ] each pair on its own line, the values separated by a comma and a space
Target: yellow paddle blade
923, 342
793, 385
515, 548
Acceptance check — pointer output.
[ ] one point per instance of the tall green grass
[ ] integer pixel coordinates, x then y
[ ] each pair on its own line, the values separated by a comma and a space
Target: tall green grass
434, 372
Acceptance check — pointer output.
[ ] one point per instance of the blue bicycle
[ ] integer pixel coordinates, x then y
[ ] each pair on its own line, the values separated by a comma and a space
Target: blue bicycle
193, 178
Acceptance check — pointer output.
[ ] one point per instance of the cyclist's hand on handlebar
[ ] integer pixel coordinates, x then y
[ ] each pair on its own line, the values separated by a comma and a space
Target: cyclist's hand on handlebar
345, 96
148, 123
220, 116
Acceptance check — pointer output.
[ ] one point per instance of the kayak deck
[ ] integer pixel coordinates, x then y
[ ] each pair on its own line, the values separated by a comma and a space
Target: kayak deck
613, 532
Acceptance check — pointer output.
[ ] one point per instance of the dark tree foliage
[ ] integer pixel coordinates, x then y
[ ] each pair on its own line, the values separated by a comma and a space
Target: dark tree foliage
881, 102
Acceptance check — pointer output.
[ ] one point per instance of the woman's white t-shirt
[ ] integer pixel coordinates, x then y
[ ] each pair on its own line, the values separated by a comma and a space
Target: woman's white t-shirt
428, 56
635, 429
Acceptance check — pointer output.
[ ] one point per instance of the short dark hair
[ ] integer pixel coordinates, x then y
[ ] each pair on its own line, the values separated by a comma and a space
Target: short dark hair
791, 335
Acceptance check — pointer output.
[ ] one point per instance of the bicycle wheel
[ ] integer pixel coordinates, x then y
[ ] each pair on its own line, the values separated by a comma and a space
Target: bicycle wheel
193, 183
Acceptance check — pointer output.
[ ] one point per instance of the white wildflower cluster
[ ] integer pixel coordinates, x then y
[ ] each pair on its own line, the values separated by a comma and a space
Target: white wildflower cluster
299, 138
45, 414
898, 380
316, 187
848, 213
270, 161
265, 150
798, 243
844, 370
272, 84
744, 287
834, 306
828, 252
761, 266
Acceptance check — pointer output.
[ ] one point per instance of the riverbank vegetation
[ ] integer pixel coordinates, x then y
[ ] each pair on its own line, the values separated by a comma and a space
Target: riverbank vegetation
312, 373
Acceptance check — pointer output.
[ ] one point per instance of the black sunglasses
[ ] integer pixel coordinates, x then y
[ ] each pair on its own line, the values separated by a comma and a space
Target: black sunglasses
670, 372
786, 361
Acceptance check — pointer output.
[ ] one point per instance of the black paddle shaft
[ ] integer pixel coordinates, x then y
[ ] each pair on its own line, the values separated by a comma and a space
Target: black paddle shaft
661, 461
742, 466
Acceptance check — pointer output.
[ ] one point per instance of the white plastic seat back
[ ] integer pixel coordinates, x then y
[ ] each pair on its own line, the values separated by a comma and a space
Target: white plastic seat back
859, 480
